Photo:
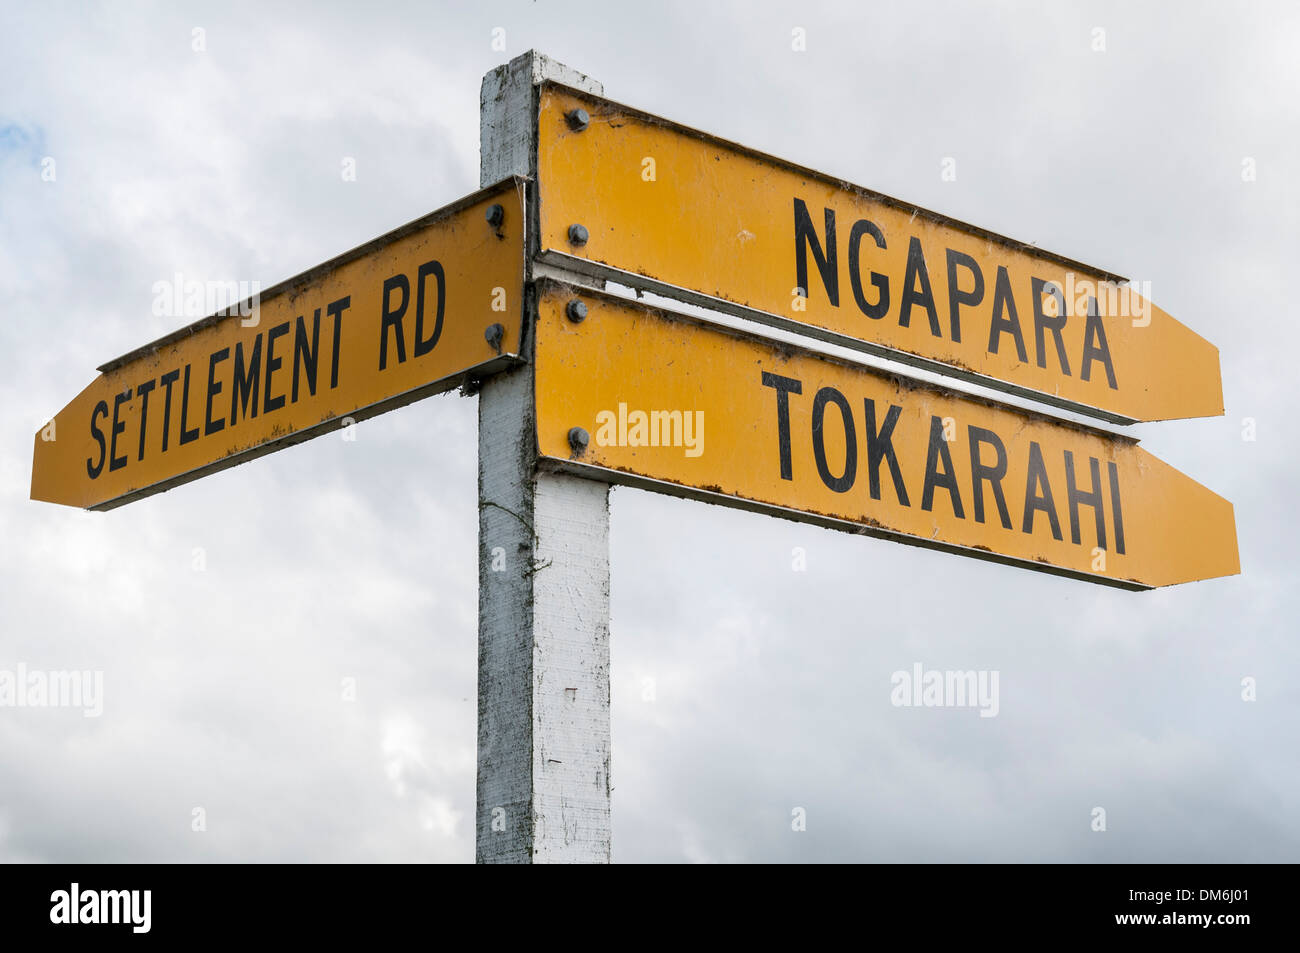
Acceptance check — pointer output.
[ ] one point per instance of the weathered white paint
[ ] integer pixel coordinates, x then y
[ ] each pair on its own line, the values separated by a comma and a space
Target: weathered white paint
508, 112
543, 702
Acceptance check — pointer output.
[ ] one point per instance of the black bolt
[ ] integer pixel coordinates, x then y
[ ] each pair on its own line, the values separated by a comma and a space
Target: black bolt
576, 311
494, 335
578, 439
578, 119
578, 234
495, 215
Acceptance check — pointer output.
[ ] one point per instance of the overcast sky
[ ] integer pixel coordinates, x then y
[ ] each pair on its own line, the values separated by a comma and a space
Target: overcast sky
337, 559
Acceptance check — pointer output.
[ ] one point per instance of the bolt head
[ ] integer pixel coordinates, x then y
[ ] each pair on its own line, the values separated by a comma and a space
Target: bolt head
578, 234
496, 214
494, 334
576, 311
578, 439
578, 119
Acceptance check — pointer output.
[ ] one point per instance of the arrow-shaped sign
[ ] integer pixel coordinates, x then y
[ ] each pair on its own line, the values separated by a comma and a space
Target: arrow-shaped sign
410, 314
636, 199
632, 395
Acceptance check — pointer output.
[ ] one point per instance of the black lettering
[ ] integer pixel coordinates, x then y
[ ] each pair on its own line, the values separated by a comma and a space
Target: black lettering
434, 268
187, 436
244, 387
785, 386
143, 393
1095, 347
93, 470
1005, 318
168, 379
880, 446
273, 363
1034, 501
946, 478
957, 297
1044, 322
878, 310
1092, 498
993, 473
393, 318
844, 482
306, 358
211, 426
805, 237
916, 289
1116, 512
335, 310
119, 426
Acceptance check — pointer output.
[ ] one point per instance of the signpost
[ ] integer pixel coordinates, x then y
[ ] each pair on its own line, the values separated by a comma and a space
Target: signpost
579, 389
397, 319
642, 201
664, 403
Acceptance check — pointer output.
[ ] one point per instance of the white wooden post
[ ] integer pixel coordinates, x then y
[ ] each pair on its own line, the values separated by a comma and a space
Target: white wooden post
543, 655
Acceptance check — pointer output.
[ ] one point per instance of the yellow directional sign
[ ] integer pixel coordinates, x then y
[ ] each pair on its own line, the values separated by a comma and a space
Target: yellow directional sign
402, 317
654, 400
632, 197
